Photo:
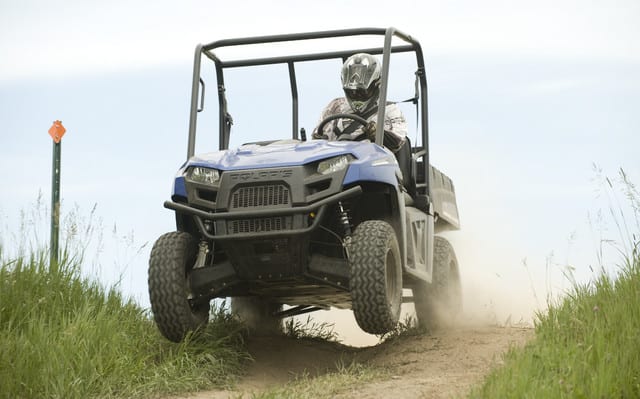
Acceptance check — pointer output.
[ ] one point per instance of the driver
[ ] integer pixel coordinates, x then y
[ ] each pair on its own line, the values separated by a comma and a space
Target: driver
361, 84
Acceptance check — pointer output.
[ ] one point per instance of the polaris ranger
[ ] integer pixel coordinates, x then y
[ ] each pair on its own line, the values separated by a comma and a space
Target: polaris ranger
287, 225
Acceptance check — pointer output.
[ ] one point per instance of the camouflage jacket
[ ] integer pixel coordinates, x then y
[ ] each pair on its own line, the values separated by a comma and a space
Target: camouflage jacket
395, 125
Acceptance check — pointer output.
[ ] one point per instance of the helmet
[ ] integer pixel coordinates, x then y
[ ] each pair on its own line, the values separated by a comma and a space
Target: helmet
361, 81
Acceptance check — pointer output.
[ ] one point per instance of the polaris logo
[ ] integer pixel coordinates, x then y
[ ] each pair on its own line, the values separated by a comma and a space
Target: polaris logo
260, 175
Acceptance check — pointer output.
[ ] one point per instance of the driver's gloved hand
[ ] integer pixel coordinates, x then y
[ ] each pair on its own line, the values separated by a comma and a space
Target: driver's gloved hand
370, 131
319, 136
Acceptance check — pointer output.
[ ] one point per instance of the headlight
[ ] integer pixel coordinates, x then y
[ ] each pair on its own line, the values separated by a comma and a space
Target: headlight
332, 165
203, 175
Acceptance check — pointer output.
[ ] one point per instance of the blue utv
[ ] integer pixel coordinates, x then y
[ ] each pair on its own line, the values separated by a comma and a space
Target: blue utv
288, 226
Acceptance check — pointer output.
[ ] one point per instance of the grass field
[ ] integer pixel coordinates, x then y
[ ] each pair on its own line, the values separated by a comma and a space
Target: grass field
65, 336
587, 345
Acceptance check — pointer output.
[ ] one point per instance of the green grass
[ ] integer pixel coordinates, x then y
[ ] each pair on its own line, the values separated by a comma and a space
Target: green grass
310, 330
588, 344
345, 380
65, 336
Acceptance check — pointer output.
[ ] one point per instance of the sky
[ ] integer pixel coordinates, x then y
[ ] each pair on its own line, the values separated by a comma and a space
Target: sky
532, 106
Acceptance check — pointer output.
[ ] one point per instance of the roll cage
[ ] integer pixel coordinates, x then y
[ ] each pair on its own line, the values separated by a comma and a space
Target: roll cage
410, 44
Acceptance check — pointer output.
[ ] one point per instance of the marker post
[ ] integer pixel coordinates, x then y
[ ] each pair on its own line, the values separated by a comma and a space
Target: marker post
56, 132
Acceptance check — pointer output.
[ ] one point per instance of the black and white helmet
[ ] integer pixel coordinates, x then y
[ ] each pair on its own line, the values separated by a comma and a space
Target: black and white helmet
361, 81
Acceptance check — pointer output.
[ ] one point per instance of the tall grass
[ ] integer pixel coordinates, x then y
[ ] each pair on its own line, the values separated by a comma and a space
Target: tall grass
63, 335
587, 345
308, 329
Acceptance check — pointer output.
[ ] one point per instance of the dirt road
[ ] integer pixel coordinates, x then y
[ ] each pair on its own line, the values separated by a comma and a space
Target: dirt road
441, 365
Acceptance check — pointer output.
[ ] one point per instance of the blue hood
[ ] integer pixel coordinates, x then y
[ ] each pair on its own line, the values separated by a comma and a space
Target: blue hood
371, 163
285, 153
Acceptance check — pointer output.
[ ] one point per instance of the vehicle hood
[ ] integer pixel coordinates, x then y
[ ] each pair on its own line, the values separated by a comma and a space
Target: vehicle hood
284, 153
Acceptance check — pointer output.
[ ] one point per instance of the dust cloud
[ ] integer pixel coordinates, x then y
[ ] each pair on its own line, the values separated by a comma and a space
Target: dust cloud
499, 288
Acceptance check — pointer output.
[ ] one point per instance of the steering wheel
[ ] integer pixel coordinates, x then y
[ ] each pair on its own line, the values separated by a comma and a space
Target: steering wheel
345, 136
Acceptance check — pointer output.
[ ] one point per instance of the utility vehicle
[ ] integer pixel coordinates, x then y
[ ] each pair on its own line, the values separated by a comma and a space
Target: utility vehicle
289, 225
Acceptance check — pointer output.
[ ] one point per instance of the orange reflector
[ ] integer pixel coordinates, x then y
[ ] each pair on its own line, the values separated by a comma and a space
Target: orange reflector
56, 131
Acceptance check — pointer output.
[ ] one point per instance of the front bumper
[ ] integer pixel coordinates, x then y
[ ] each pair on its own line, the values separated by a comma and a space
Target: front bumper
314, 211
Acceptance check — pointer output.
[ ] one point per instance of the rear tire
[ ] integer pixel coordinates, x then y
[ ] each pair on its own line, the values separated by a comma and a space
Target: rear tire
438, 303
376, 276
172, 258
258, 314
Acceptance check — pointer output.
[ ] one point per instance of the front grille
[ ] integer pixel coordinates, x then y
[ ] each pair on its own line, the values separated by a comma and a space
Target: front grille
256, 225
262, 196
259, 196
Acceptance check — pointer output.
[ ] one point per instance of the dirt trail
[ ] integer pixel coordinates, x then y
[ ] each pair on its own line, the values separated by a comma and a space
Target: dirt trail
442, 365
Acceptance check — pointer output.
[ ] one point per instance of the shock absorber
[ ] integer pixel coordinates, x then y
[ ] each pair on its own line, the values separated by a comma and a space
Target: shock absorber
344, 220
203, 251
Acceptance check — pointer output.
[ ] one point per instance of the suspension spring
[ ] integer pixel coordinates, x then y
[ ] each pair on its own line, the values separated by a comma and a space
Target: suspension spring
344, 220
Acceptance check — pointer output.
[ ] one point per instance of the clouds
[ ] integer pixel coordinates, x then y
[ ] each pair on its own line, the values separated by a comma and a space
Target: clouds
54, 38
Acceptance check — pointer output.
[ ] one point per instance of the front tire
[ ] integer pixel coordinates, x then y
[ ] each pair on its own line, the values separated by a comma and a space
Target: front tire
376, 276
172, 258
438, 303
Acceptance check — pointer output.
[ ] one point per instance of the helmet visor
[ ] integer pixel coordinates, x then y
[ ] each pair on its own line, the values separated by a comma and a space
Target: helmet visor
360, 94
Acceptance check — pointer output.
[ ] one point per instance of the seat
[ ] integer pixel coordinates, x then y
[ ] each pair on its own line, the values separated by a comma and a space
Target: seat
403, 156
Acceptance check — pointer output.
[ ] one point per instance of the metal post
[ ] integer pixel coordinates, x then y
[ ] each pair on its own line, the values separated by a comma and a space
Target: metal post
56, 131
55, 203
